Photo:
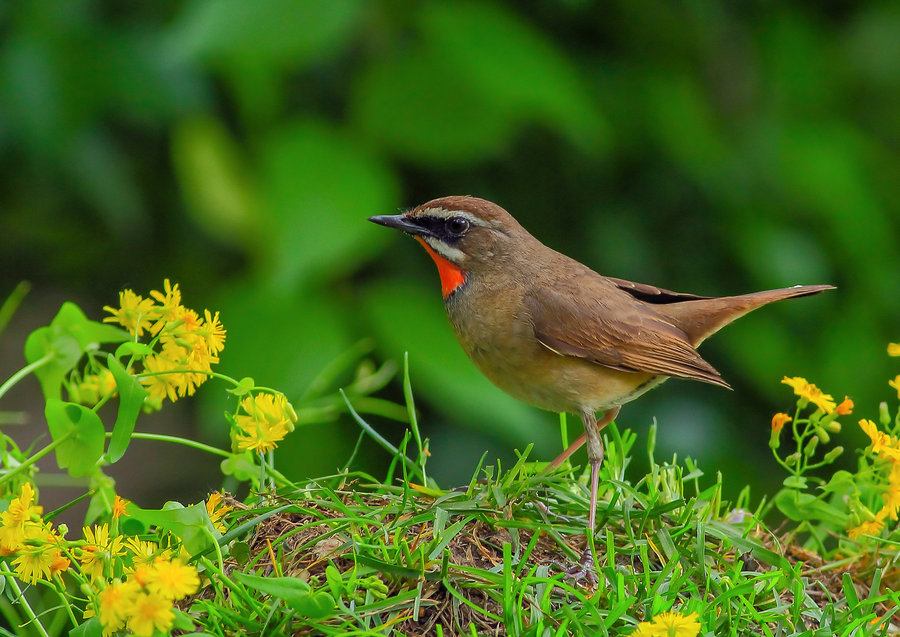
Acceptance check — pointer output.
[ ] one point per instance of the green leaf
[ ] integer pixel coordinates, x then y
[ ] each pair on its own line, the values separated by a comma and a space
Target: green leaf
244, 387
131, 399
191, 524
342, 184
82, 434
334, 580
241, 466
514, 66
68, 336
215, 180
803, 506
133, 348
104, 495
90, 628
296, 593
89, 334
454, 130
183, 621
795, 482
840, 482
260, 32
240, 552
65, 353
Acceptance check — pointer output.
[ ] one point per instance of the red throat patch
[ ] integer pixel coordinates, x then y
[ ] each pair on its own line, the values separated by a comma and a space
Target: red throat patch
452, 276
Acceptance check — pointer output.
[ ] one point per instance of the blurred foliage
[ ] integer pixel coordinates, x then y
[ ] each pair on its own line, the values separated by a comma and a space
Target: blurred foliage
238, 147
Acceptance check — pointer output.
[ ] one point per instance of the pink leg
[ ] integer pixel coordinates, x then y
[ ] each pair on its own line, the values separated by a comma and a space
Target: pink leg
595, 453
572, 448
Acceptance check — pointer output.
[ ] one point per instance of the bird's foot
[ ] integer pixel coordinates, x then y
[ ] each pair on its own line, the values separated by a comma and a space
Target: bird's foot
583, 570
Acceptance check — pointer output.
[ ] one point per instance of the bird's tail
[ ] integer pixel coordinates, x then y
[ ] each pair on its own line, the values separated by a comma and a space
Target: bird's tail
701, 318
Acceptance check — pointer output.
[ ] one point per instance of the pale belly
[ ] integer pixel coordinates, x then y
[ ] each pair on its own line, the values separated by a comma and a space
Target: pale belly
550, 381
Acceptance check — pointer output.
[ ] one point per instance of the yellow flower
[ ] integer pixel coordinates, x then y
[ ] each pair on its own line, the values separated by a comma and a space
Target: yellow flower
39, 557
845, 408
882, 444
217, 511
33, 564
60, 563
267, 421
171, 579
178, 370
669, 625
114, 600
20, 512
779, 421
148, 613
120, 506
872, 527
184, 323
161, 380
895, 384
891, 501
141, 575
169, 306
99, 551
811, 393
212, 332
133, 314
893, 349
141, 552
891, 497
198, 360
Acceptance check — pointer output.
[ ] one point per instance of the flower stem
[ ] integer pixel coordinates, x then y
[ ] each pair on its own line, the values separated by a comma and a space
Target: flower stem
21, 599
19, 375
35, 457
179, 441
208, 448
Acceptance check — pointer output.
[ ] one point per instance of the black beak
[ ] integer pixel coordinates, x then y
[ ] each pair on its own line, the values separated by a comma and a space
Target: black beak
401, 222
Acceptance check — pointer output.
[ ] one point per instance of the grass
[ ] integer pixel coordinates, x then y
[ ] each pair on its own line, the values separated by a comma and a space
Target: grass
504, 555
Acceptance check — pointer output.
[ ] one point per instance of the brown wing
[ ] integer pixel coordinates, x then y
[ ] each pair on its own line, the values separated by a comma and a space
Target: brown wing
599, 322
653, 294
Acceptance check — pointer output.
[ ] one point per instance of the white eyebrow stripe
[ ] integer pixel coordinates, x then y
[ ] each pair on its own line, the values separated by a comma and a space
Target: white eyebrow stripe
442, 213
450, 253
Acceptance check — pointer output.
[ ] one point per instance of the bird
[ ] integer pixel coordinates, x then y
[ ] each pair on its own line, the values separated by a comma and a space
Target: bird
557, 335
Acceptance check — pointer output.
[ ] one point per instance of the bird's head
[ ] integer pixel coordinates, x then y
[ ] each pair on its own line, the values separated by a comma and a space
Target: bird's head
463, 235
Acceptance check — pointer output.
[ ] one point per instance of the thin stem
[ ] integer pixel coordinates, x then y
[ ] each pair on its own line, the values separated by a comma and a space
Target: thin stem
240, 591
272, 471
20, 596
19, 375
60, 588
35, 457
180, 441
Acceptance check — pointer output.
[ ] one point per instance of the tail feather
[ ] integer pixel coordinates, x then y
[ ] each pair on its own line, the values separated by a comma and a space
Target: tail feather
701, 318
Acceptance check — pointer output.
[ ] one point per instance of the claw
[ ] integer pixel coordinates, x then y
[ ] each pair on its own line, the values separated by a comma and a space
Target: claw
583, 569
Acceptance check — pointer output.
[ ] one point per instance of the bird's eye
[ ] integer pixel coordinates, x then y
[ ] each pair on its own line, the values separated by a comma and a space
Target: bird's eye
457, 225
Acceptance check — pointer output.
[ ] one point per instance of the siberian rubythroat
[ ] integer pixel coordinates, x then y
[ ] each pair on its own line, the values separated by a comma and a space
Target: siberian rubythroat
553, 333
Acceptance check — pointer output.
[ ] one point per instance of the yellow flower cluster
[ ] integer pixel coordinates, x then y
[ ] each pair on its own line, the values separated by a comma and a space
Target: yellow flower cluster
810, 393
888, 448
266, 420
154, 578
217, 511
37, 547
143, 602
669, 625
185, 344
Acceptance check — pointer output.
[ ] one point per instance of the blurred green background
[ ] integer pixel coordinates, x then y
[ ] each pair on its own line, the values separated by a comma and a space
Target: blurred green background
238, 147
